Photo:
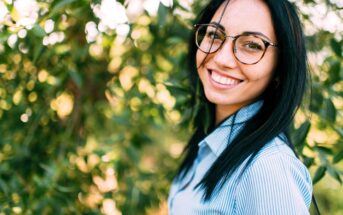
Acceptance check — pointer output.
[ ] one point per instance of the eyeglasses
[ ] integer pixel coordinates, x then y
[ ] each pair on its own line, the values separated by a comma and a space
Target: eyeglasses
248, 48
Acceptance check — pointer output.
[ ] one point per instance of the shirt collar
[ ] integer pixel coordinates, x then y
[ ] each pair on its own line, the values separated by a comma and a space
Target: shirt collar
219, 138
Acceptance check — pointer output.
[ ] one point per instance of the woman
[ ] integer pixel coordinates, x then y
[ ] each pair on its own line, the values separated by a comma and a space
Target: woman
249, 67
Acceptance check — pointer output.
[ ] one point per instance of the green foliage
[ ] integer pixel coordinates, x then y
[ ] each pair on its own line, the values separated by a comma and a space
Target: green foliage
93, 124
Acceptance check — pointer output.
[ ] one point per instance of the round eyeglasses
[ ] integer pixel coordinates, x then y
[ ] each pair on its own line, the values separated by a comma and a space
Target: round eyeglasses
248, 48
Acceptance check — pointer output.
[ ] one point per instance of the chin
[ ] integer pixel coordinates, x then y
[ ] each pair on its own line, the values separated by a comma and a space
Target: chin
218, 101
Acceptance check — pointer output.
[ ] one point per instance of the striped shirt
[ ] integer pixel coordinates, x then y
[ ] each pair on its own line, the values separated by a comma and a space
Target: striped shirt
274, 183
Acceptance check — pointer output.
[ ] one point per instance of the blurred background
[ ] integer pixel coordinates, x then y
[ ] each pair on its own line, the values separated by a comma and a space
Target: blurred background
95, 108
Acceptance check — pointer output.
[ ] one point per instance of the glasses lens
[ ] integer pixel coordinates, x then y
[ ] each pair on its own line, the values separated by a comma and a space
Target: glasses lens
209, 38
249, 49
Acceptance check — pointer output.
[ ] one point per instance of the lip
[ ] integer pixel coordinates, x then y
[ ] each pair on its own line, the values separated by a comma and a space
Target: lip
216, 84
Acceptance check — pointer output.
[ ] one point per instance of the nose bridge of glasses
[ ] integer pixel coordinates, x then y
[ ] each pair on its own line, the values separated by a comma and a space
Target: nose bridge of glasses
231, 37
227, 49
232, 45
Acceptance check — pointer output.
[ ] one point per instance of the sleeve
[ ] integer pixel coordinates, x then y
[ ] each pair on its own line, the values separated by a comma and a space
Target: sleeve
274, 184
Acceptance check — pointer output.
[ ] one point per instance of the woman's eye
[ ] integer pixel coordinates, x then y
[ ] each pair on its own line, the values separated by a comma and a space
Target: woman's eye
253, 46
213, 35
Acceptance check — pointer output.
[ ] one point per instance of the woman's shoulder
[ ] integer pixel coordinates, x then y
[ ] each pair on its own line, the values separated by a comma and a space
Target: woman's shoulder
278, 155
276, 147
277, 176
277, 164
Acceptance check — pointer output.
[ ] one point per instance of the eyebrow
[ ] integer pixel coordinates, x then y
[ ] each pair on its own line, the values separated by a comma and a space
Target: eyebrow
219, 25
245, 32
257, 33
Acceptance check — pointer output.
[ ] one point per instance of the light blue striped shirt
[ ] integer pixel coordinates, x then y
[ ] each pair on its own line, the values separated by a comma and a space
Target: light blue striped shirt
275, 182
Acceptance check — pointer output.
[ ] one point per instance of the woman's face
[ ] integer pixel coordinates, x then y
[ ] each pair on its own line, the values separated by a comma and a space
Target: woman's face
227, 82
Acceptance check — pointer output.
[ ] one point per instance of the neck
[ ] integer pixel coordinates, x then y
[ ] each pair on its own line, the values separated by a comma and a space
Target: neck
224, 111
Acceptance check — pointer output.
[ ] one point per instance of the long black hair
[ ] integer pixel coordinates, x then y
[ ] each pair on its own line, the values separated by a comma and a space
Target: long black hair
280, 100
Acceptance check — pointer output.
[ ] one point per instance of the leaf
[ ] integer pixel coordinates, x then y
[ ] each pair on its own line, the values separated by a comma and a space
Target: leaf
317, 99
334, 173
140, 139
319, 174
324, 150
174, 41
186, 117
132, 154
162, 14
176, 90
76, 77
64, 189
339, 131
3, 37
338, 157
59, 6
335, 67
308, 161
37, 51
336, 47
322, 154
329, 111
4, 188
38, 31
301, 133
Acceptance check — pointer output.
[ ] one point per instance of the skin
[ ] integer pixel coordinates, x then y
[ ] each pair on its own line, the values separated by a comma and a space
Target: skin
247, 82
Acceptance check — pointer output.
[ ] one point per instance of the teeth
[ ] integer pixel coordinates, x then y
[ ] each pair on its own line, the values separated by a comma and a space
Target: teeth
223, 80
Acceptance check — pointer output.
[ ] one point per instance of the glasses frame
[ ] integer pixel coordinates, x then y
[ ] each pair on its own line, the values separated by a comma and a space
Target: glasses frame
234, 39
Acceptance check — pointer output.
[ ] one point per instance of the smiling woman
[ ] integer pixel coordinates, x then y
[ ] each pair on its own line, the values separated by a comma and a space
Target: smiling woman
248, 59
236, 63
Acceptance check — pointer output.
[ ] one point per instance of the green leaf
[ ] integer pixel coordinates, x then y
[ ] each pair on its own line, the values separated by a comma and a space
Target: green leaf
65, 189
334, 173
186, 117
140, 139
38, 31
37, 51
319, 174
4, 37
317, 101
133, 154
324, 150
339, 131
76, 77
335, 67
308, 161
338, 157
329, 111
176, 90
60, 5
336, 47
322, 154
301, 133
4, 187
162, 14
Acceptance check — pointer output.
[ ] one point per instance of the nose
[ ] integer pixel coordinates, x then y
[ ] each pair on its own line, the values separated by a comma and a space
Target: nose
225, 57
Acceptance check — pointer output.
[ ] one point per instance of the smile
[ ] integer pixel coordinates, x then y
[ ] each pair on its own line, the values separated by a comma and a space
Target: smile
224, 80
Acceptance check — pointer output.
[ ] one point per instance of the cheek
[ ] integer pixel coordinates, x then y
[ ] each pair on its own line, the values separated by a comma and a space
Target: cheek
264, 69
260, 74
200, 56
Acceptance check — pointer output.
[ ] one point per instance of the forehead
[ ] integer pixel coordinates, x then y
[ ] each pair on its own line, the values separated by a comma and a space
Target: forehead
245, 15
